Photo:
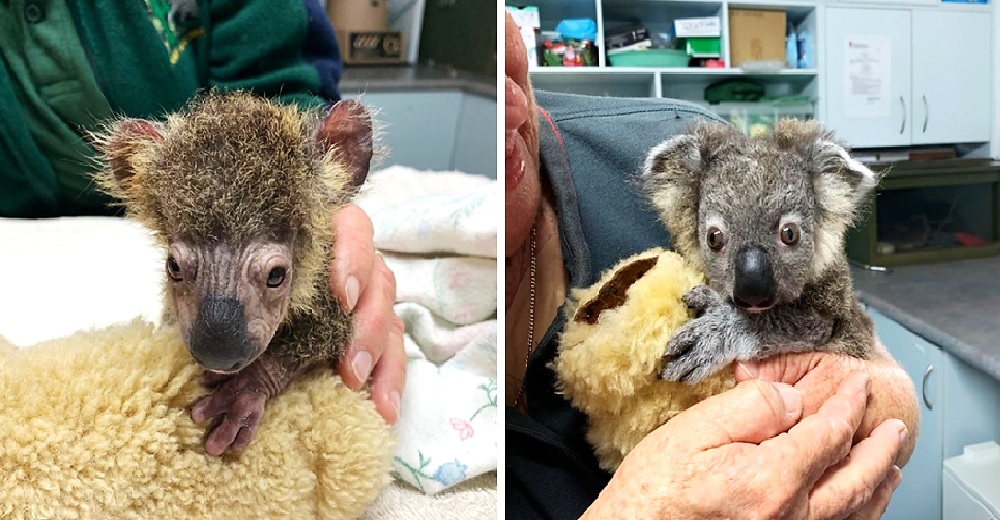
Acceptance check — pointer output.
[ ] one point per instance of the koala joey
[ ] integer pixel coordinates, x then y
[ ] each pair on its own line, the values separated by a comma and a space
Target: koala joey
764, 218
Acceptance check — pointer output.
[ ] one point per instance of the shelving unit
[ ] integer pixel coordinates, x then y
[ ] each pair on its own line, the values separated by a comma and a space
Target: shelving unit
949, 38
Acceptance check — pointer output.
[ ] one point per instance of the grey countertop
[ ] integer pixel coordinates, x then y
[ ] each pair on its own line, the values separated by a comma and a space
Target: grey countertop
955, 305
396, 78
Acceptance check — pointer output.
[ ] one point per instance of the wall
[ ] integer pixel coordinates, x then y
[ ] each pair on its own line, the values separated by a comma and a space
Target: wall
461, 33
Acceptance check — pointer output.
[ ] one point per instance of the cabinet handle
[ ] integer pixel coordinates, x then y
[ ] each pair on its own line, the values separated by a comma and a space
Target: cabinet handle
927, 112
903, 126
923, 386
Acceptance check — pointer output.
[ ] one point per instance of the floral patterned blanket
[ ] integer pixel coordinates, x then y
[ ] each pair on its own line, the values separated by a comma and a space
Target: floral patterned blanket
438, 233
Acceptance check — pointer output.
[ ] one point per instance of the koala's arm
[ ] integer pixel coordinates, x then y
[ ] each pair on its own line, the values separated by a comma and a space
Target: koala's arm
723, 333
305, 340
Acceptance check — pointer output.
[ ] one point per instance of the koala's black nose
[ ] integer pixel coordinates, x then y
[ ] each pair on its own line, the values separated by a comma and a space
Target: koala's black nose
219, 336
754, 285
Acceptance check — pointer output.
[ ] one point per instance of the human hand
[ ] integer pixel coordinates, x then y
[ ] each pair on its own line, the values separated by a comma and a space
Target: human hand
817, 375
366, 287
746, 454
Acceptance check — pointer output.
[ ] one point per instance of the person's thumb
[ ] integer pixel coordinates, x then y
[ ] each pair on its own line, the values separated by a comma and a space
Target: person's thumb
754, 411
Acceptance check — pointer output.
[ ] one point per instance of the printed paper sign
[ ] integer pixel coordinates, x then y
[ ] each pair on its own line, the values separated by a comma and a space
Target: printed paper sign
868, 74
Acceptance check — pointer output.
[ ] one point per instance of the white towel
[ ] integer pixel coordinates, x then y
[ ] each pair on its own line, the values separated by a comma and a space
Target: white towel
438, 233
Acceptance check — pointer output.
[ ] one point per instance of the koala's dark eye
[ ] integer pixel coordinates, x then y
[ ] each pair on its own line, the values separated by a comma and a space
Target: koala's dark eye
789, 234
716, 239
275, 277
173, 269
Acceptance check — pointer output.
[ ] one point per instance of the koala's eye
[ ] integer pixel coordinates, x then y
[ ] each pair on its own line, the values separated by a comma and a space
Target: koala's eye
716, 238
275, 277
173, 269
789, 234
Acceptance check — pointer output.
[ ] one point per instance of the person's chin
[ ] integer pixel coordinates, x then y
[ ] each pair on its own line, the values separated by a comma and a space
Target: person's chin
522, 197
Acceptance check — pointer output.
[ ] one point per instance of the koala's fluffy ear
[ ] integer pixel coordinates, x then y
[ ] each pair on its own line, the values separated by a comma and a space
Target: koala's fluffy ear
346, 131
126, 145
671, 178
841, 184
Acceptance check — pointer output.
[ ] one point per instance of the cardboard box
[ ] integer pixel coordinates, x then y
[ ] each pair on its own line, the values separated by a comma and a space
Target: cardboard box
362, 32
756, 35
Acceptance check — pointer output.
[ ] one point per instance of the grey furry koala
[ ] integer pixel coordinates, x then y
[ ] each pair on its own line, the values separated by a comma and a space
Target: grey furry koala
764, 219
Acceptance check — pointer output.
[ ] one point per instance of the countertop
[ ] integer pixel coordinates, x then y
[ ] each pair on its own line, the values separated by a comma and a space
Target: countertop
409, 78
955, 305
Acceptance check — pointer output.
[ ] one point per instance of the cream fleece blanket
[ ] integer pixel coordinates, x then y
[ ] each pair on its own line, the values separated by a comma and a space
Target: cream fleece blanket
438, 233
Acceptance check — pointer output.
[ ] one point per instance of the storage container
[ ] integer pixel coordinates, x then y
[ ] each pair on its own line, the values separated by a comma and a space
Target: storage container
755, 118
649, 58
929, 211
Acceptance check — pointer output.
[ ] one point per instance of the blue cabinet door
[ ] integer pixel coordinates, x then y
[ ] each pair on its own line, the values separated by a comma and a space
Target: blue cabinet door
919, 495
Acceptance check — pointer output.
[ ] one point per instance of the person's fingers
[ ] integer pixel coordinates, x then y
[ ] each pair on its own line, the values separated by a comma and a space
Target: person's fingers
824, 438
389, 376
785, 368
752, 412
876, 507
373, 318
851, 483
353, 255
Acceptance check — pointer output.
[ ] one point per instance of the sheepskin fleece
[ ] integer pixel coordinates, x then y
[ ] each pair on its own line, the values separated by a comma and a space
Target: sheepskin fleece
609, 369
96, 425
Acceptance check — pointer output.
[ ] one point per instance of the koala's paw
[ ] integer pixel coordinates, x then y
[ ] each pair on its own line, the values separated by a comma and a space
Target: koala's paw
697, 350
700, 298
240, 402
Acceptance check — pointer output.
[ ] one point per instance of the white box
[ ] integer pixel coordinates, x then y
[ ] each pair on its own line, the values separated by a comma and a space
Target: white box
697, 27
971, 484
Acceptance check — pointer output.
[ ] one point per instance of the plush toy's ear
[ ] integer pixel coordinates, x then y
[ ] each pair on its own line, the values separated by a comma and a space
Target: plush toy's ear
346, 130
671, 178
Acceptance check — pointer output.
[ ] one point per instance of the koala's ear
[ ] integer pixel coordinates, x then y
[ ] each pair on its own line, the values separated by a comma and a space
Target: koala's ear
671, 178
841, 183
346, 131
124, 145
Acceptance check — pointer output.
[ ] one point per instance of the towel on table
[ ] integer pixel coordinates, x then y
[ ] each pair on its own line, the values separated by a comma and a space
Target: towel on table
437, 231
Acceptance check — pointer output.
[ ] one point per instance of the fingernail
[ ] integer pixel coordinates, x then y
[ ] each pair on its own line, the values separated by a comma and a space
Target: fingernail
362, 366
903, 432
790, 396
897, 477
394, 400
352, 287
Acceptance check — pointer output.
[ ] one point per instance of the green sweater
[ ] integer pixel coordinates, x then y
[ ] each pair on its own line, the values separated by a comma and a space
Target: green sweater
66, 67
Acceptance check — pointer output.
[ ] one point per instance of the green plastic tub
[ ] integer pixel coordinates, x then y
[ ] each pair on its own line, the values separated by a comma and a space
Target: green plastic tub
649, 58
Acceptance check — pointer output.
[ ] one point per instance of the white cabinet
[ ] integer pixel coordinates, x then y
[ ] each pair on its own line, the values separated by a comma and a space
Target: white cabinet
940, 78
848, 24
951, 77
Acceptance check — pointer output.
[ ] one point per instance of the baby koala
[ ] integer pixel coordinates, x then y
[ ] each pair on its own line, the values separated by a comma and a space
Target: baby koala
764, 218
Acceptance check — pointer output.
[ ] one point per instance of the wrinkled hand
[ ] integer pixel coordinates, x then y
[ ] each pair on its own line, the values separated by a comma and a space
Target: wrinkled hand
705, 343
817, 375
745, 453
366, 287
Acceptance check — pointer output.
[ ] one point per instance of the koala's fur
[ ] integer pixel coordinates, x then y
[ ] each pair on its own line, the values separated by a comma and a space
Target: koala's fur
749, 187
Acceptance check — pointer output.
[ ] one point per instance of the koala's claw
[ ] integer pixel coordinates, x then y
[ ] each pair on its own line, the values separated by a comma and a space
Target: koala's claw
241, 406
696, 350
701, 297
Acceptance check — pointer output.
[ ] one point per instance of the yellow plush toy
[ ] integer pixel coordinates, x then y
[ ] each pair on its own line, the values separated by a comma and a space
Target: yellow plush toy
612, 348
97, 426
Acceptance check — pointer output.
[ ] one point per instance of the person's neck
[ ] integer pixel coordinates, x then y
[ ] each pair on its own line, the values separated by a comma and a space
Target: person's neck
518, 265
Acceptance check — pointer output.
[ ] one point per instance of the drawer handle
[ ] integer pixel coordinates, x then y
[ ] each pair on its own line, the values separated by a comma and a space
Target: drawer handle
903, 103
923, 386
927, 113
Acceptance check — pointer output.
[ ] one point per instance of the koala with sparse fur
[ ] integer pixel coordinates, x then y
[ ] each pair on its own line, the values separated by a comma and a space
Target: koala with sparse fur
764, 218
